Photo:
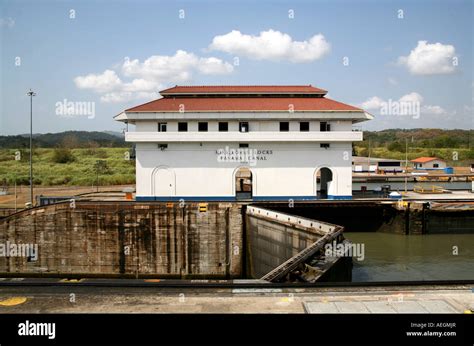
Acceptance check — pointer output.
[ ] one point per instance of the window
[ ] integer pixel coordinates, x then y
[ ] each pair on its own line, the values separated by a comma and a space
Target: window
304, 126
223, 127
389, 163
161, 127
324, 126
182, 127
324, 145
202, 127
435, 165
244, 126
284, 126
243, 145
162, 146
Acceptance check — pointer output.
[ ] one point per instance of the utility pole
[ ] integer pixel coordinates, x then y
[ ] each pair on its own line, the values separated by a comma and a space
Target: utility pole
31, 94
406, 164
368, 159
15, 195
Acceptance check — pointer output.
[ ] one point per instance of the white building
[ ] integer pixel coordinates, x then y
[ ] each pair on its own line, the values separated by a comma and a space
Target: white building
241, 142
428, 163
362, 164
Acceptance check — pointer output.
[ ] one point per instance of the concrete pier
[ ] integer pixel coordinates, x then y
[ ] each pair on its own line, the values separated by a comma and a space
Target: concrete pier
456, 299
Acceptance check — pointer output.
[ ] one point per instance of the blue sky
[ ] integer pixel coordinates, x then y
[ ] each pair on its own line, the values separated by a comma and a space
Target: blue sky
424, 57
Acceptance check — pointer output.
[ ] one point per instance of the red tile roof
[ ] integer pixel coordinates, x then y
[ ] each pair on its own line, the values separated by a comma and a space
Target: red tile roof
243, 89
425, 159
241, 104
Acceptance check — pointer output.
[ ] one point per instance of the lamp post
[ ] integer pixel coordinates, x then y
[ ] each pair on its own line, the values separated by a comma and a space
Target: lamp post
31, 94
406, 166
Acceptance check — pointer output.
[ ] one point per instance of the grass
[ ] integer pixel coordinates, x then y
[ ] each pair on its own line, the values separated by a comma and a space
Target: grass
464, 156
80, 172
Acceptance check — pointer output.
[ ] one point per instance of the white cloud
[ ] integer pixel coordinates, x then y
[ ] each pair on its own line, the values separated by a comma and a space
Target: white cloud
125, 96
411, 97
214, 66
104, 82
271, 45
151, 75
376, 103
372, 103
430, 58
176, 68
7, 22
435, 110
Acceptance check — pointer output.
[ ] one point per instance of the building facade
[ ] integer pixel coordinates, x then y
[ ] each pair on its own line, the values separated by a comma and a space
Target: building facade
428, 163
376, 165
243, 142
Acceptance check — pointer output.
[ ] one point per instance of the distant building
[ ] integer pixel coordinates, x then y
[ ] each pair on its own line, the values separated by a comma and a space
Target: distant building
243, 142
428, 163
376, 165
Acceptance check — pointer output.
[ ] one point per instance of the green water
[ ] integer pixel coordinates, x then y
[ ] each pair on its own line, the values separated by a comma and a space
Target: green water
393, 257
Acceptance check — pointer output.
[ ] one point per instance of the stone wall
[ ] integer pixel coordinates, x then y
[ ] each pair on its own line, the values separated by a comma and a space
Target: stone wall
128, 239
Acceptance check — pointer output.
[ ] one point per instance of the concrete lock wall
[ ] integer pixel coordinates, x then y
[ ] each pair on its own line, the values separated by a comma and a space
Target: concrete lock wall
274, 237
156, 239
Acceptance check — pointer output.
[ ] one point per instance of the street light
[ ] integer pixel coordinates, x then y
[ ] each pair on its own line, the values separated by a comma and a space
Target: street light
406, 166
31, 94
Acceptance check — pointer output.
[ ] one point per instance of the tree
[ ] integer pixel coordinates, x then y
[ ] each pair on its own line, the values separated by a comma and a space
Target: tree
100, 167
396, 146
63, 155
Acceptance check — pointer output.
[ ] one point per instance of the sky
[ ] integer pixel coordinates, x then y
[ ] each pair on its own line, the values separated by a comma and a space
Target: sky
409, 63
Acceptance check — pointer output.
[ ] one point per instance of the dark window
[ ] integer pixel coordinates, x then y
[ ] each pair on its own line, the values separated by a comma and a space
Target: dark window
223, 127
243, 145
284, 126
202, 127
435, 165
304, 126
324, 126
389, 163
161, 127
324, 145
162, 146
244, 126
182, 127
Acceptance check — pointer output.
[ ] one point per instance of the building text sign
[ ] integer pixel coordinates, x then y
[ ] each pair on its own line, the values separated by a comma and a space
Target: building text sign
243, 155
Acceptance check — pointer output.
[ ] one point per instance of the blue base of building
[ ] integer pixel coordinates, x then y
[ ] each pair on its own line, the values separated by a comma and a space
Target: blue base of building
234, 199
339, 197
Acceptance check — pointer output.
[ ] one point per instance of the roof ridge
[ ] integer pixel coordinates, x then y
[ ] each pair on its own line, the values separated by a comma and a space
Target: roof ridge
244, 85
235, 88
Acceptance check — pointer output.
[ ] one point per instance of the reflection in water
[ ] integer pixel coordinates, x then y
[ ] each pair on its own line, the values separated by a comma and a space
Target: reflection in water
394, 257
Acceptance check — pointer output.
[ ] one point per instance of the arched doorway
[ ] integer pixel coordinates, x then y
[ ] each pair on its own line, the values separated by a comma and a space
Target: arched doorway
243, 183
163, 183
323, 182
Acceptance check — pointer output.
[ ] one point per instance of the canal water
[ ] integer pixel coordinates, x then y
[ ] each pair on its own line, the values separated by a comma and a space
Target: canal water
395, 257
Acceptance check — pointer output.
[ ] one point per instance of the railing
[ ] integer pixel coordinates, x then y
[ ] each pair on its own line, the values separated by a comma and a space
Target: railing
327, 232
429, 189
291, 264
